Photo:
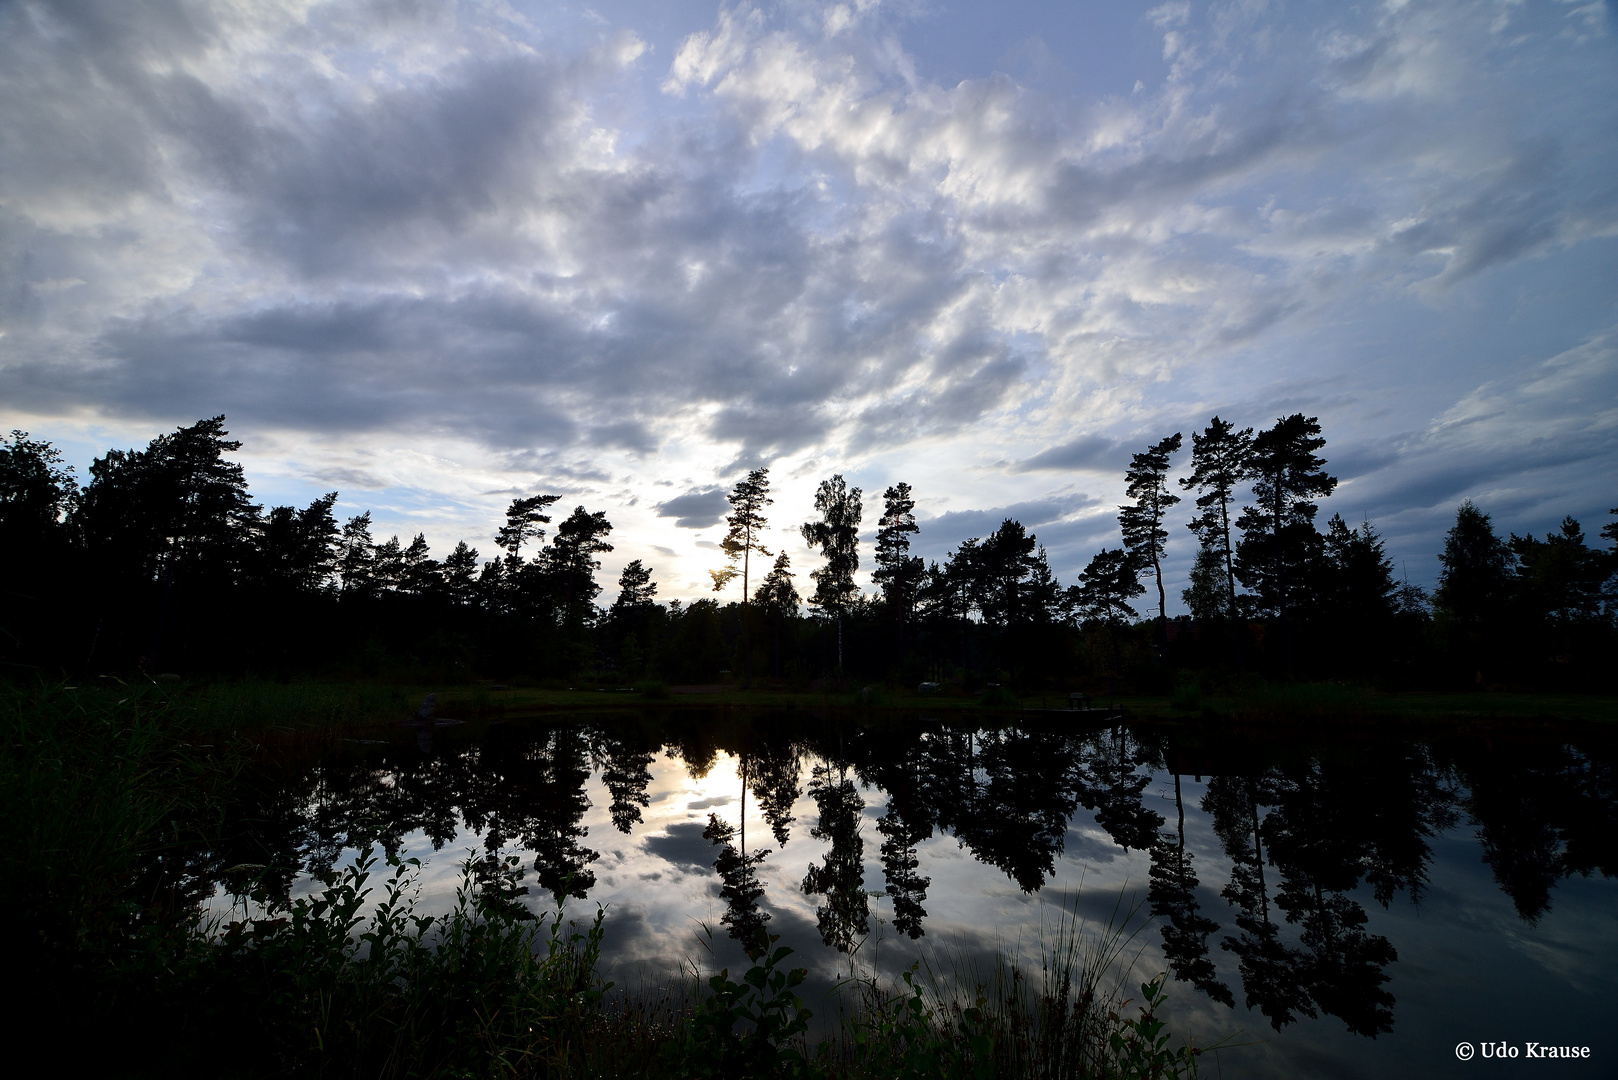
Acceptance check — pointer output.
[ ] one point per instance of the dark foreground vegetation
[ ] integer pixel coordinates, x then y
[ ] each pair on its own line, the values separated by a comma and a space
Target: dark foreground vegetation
162, 563
106, 790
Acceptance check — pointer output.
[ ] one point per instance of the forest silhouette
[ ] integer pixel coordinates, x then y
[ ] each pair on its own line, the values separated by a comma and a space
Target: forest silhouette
162, 562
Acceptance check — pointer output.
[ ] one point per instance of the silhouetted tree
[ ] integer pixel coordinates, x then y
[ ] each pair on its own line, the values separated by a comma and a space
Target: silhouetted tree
460, 575
1147, 483
175, 515
1278, 534
1103, 593
773, 777
897, 573
777, 597
1206, 597
37, 493
525, 519
571, 563
1221, 461
356, 559
1474, 586
837, 535
746, 522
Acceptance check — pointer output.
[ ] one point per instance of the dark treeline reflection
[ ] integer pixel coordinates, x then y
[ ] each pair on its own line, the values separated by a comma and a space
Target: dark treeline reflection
1308, 837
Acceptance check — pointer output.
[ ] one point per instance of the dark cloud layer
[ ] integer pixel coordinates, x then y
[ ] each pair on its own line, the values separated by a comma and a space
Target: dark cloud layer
696, 509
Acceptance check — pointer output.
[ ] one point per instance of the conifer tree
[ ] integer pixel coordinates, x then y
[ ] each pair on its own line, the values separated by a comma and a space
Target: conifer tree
356, 561
1142, 520
778, 597
460, 575
897, 572
1220, 463
1278, 534
746, 522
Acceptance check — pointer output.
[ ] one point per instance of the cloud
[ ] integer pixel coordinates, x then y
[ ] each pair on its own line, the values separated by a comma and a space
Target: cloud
1086, 452
696, 509
537, 242
350, 478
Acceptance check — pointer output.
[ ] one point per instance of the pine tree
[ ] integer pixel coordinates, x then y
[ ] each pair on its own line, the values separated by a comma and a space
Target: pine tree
746, 522
460, 575
1221, 460
1105, 587
1142, 520
570, 562
1278, 534
897, 572
356, 561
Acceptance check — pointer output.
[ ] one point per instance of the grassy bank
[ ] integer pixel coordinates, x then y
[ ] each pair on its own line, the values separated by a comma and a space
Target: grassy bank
104, 788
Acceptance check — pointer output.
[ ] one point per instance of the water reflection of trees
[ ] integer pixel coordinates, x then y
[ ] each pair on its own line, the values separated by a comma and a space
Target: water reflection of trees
1305, 839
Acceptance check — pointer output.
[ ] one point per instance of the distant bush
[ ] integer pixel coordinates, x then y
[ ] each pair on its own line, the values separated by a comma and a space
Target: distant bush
652, 688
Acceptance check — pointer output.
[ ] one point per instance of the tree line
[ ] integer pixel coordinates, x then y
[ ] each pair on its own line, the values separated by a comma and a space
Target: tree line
162, 561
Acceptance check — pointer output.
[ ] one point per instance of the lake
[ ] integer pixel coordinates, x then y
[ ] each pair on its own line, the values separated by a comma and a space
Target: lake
1346, 903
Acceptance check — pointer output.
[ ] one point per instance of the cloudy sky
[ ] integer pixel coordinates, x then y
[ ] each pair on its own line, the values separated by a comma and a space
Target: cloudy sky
436, 255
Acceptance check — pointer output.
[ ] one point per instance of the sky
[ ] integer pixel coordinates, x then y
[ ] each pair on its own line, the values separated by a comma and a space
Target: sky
439, 255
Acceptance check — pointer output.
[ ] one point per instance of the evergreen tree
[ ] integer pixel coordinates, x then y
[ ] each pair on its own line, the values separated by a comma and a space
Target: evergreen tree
740, 887
1105, 587
570, 562
746, 522
460, 575
1221, 459
1357, 594
356, 561
175, 515
779, 600
388, 567
1560, 578
37, 564
840, 876
1474, 587
629, 618
418, 573
525, 519
897, 572
1278, 535
1206, 596
1142, 520
837, 535
300, 549
1002, 565
636, 589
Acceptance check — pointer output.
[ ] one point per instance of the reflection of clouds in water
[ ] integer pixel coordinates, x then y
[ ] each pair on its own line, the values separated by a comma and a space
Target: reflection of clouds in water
1090, 846
661, 892
683, 845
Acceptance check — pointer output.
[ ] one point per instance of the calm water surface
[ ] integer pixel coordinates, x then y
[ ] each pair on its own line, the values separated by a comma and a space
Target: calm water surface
1348, 905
